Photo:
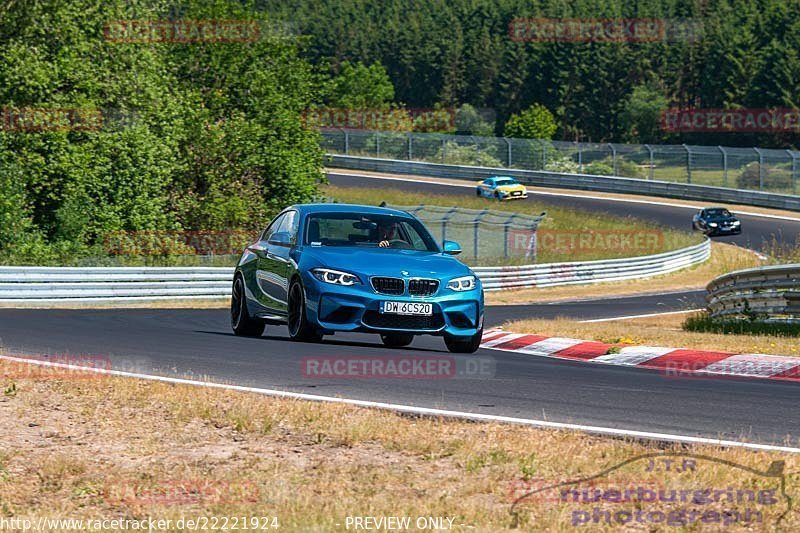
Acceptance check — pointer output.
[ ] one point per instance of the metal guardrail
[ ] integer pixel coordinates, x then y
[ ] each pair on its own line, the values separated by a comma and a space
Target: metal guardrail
769, 293
586, 182
552, 274
54, 284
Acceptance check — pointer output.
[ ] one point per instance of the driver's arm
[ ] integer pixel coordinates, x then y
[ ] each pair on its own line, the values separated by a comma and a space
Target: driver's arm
383, 244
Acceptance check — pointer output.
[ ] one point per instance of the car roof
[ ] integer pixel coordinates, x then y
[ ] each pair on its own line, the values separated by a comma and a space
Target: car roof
347, 208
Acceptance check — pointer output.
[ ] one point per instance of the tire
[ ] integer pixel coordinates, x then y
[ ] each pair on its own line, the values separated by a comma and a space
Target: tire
299, 327
397, 340
464, 344
497, 196
242, 323
478, 193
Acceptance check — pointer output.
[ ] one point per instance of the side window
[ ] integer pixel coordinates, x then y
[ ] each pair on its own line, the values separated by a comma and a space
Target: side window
273, 227
289, 224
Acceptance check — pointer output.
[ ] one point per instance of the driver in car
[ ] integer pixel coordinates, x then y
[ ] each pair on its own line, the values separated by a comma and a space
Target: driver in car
388, 233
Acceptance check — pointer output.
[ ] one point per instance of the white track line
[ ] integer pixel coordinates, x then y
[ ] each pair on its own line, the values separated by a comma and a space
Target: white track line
569, 195
426, 411
638, 316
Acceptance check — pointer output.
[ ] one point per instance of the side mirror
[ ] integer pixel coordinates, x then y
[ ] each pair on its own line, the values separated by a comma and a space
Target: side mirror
282, 238
451, 248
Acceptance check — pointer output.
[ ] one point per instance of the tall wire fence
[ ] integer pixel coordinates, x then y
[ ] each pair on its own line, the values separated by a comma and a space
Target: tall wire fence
485, 236
757, 169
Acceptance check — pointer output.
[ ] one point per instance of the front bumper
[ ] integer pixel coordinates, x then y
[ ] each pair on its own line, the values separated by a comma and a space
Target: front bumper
356, 308
511, 196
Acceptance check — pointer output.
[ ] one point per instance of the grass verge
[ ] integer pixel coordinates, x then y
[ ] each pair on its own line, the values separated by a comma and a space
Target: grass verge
703, 323
663, 330
118, 447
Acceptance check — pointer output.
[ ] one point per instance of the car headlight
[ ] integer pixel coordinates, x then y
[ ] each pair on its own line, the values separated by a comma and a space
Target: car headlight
736, 223
336, 277
712, 224
466, 283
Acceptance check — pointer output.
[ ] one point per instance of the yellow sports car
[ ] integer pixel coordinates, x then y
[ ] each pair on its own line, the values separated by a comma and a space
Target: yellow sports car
501, 188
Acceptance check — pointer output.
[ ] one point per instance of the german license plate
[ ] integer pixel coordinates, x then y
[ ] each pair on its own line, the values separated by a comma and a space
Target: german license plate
406, 308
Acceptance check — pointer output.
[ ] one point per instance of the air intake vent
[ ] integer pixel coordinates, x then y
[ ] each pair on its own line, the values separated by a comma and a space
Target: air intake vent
423, 287
388, 285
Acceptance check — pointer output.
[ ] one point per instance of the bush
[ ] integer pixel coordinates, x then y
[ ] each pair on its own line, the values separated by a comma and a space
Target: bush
774, 178
562, 164
605, 167
455, 154
536, 122
598, 168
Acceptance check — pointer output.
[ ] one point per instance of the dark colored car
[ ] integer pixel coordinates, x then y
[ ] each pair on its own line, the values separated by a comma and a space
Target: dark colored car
716, 221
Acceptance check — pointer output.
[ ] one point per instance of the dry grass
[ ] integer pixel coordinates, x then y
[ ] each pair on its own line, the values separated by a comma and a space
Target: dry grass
117, 447
664, 330
724, 258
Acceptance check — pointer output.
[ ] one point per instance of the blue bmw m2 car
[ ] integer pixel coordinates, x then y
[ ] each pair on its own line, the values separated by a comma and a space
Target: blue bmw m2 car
323, 268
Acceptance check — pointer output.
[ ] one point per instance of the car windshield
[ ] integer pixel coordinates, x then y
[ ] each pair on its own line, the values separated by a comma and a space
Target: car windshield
505, 181
355, 229
718, 212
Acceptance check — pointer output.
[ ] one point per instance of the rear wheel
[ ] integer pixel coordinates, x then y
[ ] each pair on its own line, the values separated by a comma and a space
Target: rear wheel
477, 192
299, 327
242, 323
397, 340
497, 195
464, 344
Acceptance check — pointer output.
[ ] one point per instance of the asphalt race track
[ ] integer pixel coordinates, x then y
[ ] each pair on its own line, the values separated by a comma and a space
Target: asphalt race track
199, 344
755, 230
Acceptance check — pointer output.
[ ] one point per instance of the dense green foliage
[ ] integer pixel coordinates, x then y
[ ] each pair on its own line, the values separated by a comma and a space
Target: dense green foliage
536, 122
459, 51
195, 135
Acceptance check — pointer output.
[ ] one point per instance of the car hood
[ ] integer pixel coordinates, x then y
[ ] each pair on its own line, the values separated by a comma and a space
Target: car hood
384, 261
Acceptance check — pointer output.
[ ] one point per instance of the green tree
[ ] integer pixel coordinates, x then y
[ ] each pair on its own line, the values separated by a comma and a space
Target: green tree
360, 86
641, 119
536, 122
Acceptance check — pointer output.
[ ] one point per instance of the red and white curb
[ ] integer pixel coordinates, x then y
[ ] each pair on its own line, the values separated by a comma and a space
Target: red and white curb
677, 362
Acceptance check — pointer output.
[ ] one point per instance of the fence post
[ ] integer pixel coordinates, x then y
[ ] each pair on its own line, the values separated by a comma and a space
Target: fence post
444, 223
377, 144
544, 154
760, 169
505, 235
688, 163
508, 156
794, 171
652, 163
409, 147
477, 222
444, 149
346, 142
724, 166
613, 158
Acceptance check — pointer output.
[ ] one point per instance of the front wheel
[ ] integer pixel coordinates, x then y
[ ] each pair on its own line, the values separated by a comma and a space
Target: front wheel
300, 329
464, 344
478, 193
242, 323
397, 340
